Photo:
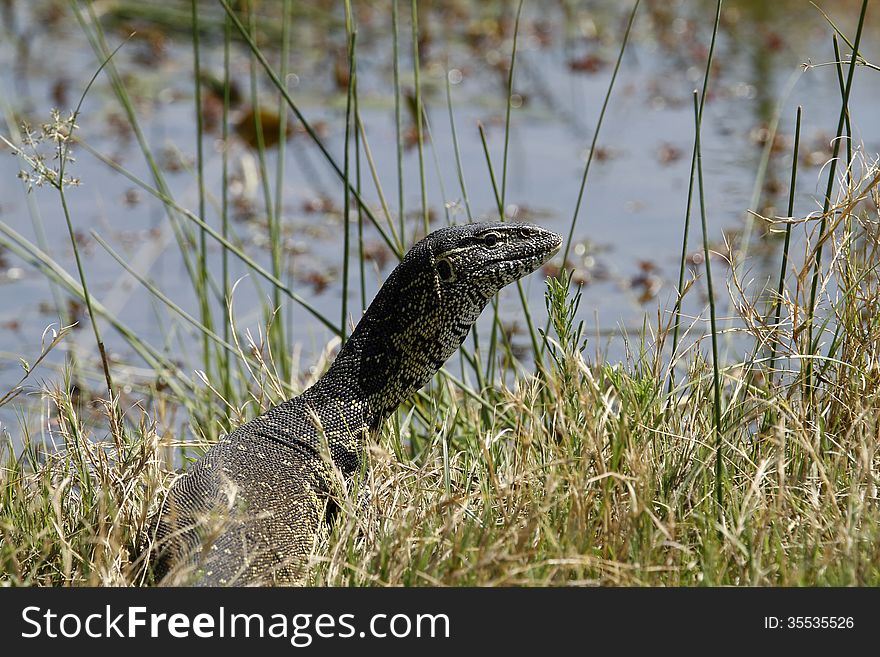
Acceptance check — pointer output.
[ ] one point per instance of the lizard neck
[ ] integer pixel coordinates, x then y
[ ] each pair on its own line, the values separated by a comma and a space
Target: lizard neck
401, 341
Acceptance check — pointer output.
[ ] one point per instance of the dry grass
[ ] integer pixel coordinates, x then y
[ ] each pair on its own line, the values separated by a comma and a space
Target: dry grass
586, 474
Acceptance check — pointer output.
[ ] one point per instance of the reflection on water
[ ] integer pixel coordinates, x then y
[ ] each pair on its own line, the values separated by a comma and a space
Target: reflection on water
629, 228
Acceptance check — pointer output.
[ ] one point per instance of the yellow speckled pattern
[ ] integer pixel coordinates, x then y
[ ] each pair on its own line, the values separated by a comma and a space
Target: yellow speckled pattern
251, 509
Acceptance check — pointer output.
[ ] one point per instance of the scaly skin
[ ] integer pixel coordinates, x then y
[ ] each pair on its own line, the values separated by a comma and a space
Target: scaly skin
251, 509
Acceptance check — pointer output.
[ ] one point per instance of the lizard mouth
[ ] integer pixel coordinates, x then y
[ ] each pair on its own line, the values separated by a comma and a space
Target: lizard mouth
537, 257
522, 265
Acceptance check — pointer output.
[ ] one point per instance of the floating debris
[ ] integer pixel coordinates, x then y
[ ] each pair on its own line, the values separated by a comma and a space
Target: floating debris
132, 197
818, 151
377, 252
647, 283
668, 153
213, 86
760, 135
320, 204
590, 63
173, 160
319, 280
269, 125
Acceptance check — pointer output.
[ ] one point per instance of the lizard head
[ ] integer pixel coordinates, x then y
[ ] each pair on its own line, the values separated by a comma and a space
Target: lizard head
427, 305
474, 261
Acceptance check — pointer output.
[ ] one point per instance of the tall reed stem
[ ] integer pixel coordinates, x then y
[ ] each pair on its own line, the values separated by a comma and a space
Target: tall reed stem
780, 289
826, 207
687, 215
419, 111
716, 366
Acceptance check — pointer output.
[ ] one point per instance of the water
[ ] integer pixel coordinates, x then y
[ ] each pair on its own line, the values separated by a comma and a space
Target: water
629, 227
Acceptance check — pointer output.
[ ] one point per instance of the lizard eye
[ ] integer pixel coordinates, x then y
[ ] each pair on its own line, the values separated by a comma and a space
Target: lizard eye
444, 271
490, 239
525, 232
